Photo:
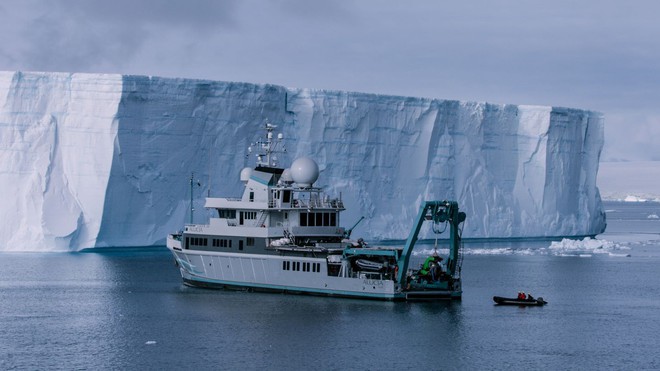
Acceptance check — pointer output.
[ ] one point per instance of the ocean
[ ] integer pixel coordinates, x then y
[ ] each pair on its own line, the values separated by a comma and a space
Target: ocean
126, 308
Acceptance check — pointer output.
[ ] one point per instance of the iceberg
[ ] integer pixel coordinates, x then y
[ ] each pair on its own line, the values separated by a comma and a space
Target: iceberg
95, 160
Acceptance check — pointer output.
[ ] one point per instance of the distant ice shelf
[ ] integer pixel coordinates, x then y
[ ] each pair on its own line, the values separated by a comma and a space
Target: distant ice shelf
92, 160
629, 181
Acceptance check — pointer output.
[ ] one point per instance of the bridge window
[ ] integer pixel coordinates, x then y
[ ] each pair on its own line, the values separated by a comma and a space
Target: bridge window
318, 219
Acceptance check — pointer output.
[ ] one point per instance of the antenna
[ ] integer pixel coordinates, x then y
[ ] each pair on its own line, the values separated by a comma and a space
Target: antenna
192, 183
268, 147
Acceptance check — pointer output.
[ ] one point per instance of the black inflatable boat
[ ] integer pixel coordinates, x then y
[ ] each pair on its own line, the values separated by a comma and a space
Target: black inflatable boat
515, 301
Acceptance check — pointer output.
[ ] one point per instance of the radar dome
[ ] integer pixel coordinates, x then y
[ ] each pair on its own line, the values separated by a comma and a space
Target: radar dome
286, 176
245, 174
304, 171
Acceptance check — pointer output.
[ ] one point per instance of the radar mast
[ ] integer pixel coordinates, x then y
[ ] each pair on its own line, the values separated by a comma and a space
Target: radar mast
268, 148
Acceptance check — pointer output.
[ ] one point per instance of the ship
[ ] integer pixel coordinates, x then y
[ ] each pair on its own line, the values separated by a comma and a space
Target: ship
285, 235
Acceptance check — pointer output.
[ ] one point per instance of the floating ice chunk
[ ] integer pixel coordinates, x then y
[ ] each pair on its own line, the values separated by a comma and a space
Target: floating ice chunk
653, 216
150, 342
633, 198
583, 248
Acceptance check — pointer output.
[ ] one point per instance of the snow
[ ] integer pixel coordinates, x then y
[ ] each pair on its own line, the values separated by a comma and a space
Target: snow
105, 160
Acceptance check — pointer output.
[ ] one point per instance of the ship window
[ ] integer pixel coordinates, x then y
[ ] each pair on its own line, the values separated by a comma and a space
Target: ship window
249, 241
303, 219
333, 219
283, 265
240, 244
288, 265
318, 267
319, 219
251, 196
286, 196
326, 219
227, 214
230, 244
247, 215
187, 242
296, 266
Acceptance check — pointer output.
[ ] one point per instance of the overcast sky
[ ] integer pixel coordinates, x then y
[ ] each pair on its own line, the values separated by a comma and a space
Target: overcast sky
600, 55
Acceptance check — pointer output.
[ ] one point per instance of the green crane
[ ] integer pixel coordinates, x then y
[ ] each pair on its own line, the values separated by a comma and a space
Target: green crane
437, 212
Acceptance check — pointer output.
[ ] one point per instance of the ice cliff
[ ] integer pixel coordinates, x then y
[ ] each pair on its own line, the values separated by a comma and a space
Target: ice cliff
90, 160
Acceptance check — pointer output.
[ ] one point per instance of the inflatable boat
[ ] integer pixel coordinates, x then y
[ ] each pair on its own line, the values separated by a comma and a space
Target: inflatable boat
515, 301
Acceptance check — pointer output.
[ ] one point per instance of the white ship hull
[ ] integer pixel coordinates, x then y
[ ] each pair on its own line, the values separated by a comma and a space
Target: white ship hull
266, 272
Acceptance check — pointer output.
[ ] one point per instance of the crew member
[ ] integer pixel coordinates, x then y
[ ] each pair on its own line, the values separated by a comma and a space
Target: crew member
431, 268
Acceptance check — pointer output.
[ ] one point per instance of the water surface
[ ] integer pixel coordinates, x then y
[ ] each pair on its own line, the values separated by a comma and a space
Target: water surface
127, 309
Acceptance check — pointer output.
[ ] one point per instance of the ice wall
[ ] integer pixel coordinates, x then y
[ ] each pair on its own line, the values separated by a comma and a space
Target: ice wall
105, 160
56, 150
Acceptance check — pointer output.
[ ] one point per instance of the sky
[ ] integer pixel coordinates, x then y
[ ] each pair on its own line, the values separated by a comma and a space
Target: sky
598, 55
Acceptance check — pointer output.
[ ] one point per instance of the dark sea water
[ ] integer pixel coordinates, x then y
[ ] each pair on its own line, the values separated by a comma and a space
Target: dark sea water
127, 309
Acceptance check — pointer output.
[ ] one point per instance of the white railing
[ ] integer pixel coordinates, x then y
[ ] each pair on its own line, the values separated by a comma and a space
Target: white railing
314, 203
